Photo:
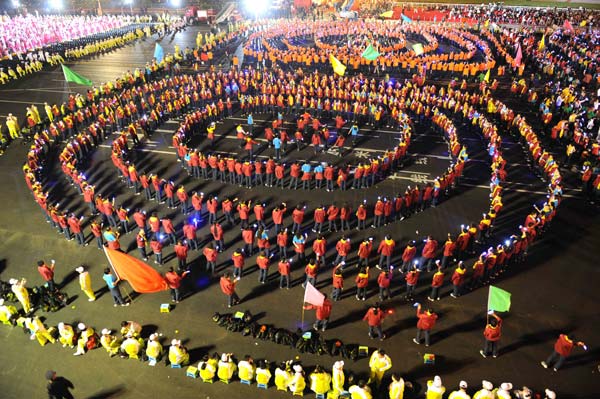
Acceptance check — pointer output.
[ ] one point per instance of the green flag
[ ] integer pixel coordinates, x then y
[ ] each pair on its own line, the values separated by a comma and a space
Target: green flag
370, 53
72, 76
498, 299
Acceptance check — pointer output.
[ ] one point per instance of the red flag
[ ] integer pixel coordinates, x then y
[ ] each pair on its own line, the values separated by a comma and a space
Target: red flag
567, 26
313, 296
519, 56
140, 276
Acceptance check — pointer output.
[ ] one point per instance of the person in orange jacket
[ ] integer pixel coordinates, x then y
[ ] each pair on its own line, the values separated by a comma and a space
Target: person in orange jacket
492, 334
425, 324
211, 257
562, 350
374, 318
436, 282
362, 282
386, 250
228, 284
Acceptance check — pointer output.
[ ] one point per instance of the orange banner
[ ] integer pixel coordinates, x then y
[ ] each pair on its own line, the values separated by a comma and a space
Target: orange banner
142, 278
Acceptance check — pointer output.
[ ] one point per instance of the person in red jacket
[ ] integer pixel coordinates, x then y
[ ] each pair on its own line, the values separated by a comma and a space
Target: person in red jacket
211, 257
248, 238
458, 279
157, 248
374, 318
343, 248
262, 261
243, 209
217, 232
562, 350
333, 213
311, 270
169, 230
174, 281
448, 254
181, 252
284, 267
364, 251
428, 252
259, 213
319, 218
189, 232
337, 282
47, 273
320, 248
362, 282
345, 215
298, 218
97, 232
212, 206
282, 243
408, 255
492, 333
227, 284
238, 260
361, 216
436, 282
383, 281
277, 216
386, 249
425, 324
411, 278
322, 311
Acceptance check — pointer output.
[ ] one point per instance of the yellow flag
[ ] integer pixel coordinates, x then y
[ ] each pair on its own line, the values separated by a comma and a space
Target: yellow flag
583, 23
491, 107
542, 44
338, 67
487, 76
486, 24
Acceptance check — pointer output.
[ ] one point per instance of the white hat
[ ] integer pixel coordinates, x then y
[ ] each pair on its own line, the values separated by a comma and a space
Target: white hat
61, 325
463, 384
297, 368
81, 326
175, 342
79, 269
13, 281
224, 357
153, 337
506, 386
437, 381
1, 301
338, 365
487, 385
106, 331
550, 394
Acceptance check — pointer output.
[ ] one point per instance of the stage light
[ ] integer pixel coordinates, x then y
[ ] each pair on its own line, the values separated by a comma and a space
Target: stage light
176, 3
128, 2
15, 3
56, 4
257, 7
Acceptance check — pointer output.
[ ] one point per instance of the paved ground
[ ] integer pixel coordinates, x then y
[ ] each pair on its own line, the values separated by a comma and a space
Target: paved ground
552, 291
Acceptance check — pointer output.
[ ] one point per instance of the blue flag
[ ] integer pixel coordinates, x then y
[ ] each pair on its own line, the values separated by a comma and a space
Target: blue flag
405, 18
159, 53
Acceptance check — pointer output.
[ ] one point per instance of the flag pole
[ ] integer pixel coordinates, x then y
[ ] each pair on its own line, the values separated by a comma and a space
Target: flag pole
302, 322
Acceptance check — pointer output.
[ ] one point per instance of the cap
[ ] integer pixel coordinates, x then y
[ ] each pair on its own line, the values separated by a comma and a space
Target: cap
106, 331
50, 374
61, 325
81, 326
506, 386
437, 381
153, 337
224, 357
175, 342
338, 365
550, 394
79, 269
297, 368
13, 281
463, 384
487, 385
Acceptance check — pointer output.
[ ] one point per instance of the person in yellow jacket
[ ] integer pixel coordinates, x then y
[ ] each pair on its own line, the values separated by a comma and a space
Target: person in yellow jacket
338, 378
435, 389
131, 347
360, 391
263, 374
109, 342
320, 381
178, 354
85, 334
461, 393
297, 383
154, 349
4, 78
49, 113
7, 313
38, 331
13, 126
246, 368
226, 367
283, 375
396, 388
66, 335
20, 291
485, 392
85, 283
379, 363
207, 369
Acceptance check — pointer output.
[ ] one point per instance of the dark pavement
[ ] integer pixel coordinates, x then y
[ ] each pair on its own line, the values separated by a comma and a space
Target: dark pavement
554, 291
